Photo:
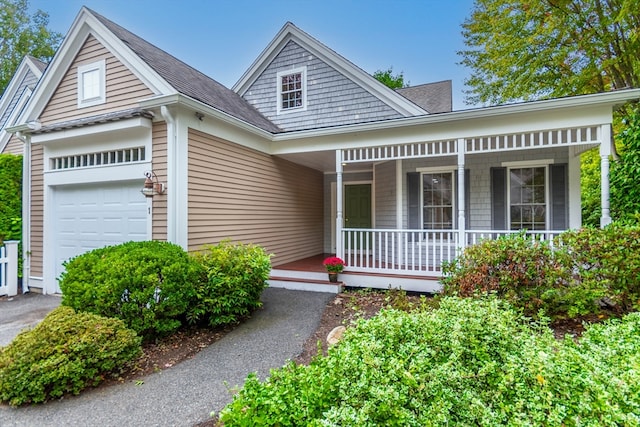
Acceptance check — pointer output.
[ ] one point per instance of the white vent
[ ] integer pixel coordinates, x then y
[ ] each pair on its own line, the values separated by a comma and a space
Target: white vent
104, 158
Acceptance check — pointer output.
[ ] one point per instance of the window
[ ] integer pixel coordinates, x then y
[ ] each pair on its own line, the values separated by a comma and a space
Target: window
91, 84
437, 198
528, 198
292, 90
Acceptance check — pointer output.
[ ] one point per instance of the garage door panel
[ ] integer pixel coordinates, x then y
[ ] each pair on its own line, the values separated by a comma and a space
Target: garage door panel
88, 217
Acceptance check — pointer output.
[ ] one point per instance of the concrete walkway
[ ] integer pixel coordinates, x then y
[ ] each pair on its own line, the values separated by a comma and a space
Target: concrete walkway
185, 394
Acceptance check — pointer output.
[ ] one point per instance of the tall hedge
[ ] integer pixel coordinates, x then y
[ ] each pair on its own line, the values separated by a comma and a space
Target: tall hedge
11, 197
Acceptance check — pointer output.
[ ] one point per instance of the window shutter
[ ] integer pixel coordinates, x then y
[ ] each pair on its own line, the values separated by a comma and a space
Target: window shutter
413, 200
499, 198
559, 192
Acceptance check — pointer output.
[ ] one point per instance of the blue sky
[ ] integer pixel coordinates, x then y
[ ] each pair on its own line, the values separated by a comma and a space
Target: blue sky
222, 38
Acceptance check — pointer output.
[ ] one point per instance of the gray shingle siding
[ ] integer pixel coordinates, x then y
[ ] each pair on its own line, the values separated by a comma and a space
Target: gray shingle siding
29, 80
332, 99
479, 166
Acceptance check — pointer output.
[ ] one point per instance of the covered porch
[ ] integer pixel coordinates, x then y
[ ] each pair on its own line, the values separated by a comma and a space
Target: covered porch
506, 169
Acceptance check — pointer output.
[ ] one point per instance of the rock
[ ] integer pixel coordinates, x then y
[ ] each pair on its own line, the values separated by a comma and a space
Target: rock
335, 335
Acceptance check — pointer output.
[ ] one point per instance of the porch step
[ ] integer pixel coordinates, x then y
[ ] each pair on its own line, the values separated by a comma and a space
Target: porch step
304, 284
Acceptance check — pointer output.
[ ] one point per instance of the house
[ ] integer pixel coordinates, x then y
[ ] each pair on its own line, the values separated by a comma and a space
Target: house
15, 98
306, 155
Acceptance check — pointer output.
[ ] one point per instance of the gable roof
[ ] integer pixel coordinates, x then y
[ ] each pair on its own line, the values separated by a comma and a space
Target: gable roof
290, 32
17, 94
187, 80
433, 97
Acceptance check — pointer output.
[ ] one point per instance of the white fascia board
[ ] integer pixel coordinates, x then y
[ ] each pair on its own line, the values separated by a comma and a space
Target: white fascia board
13, 118
207, 110
600, 104
85, 24
350, 70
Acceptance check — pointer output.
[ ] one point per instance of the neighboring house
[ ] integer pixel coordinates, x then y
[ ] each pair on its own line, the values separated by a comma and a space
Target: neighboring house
15, 98
306, 155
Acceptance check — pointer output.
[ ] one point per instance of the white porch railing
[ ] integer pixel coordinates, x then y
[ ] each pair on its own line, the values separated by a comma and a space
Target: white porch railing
9, 268
415, 252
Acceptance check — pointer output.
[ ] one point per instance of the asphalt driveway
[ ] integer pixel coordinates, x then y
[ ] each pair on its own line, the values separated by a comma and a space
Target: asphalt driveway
186, 394
23, 311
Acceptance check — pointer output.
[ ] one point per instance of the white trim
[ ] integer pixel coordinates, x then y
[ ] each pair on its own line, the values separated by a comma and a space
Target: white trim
92, 131
13, 117
437, 169
303, 77
547, 189
83, 71
454, 194
528, 163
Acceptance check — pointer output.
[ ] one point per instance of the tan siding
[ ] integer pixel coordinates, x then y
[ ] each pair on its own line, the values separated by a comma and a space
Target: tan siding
15, 146
37, 203
123, 88
244, 195
159, 156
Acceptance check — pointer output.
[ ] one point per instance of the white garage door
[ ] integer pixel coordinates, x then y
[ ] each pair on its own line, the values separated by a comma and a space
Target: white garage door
91, 216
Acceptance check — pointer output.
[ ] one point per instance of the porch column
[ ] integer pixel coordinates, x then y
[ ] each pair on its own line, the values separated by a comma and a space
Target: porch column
605, 152
339, 202
461, 192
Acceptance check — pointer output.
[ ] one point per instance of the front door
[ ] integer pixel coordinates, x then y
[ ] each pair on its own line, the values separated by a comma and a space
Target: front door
357, 206
357, 214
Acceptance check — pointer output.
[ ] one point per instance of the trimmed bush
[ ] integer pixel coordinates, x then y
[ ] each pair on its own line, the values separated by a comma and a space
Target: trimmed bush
64, 353
470, 362
149, 285
236, 275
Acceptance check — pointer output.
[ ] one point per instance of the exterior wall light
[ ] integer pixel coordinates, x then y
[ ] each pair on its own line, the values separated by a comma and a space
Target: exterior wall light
151, 185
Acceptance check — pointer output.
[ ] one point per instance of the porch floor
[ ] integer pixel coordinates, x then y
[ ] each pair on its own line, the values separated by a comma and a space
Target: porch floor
311, 264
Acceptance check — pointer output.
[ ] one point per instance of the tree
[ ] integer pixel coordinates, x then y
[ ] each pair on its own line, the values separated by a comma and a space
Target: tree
388, 79
23, 34
524, 50
625, 174
520, 50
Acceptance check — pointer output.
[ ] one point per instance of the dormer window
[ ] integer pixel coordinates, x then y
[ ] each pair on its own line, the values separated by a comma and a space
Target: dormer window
292, 90
91, 84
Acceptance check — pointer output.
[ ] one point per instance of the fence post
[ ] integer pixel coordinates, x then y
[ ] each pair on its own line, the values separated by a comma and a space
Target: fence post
12, 268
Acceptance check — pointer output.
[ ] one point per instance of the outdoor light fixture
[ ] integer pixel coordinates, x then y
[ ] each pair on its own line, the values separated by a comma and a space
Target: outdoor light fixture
151, 185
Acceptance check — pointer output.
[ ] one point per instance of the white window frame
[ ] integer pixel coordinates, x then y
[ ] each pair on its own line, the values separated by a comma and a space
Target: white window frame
83, 70
454, 193
547, 189
303, 75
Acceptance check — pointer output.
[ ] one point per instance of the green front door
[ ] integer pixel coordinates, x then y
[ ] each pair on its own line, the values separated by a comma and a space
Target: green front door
357, 214
357, 206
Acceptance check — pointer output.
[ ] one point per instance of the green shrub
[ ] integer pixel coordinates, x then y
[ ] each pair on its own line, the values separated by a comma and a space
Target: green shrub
470, 362
11, 196
236, 275
606, 258
524, 271
64, 353
148, 285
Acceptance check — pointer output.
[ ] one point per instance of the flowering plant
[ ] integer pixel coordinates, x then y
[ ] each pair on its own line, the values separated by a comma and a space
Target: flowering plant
333, 264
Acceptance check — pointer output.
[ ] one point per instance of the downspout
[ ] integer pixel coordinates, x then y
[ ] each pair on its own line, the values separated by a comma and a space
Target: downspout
172, 156
26, 210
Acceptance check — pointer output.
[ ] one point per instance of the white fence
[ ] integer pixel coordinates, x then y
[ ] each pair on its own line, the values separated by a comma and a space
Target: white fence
415, 252
9, 268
